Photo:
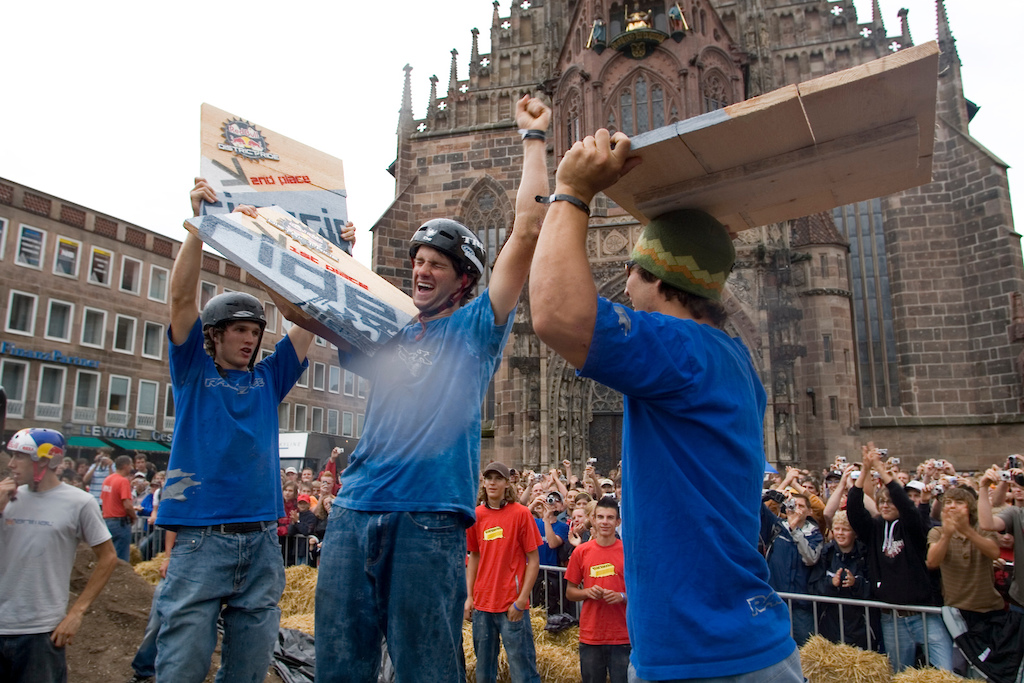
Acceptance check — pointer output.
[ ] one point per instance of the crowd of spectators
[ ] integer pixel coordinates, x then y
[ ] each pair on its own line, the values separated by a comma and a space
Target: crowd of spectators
923, 537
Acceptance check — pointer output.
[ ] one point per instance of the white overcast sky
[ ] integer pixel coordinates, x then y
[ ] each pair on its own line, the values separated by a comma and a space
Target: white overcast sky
102, 99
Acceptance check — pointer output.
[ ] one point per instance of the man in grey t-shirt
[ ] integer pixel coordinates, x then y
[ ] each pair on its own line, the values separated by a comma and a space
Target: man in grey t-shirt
41, 522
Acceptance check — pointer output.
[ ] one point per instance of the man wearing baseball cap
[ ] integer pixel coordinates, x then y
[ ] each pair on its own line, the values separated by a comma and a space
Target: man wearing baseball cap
503, 565
694, 406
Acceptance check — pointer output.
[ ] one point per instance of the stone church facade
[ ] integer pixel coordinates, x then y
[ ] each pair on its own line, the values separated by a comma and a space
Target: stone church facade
898, 320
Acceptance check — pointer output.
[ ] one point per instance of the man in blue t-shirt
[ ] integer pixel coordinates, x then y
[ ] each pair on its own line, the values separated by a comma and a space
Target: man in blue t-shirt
699, 601
393, 559
226, 560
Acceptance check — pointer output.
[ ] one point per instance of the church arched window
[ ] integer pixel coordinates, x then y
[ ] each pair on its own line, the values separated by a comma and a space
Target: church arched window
641, 105
715, 94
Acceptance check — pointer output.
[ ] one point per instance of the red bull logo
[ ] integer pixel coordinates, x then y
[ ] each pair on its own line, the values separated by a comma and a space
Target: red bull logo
244, 139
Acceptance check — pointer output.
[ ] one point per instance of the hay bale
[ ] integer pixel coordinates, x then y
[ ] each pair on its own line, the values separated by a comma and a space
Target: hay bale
826, 662
558, 658
926, 675
134, 556
299, 590
150, 570
299, 622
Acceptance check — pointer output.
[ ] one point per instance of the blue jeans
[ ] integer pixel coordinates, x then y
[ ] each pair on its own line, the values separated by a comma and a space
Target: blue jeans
208, 568
121, 535
517, 636
400, 575
144, 663
786, 671
901, 640
601, 662
32, 659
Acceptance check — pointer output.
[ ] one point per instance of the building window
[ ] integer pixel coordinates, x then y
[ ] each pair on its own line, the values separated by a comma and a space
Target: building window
642, 106
21, 313
118, 395
286, 325
131, 275
319, 369
265, 354
489, 215
94, 327
153, 340
169, 408
284, 411
158, 279
50, 394
66, 257
145, 406
58, 320
334, 380
823, 260
332, 421
99, 266
874, 334
319, 341
350, 383
303, 378
317, 415
14, 378
716, 96
87, 397
270, 310
364, 387
124, 334
300, 417
833, 408
347, 426
31, 242
359, 425
826, 344
3, 237
207, 290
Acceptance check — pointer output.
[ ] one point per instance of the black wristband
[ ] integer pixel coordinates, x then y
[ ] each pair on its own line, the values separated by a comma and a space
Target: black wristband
532, 134
575, 201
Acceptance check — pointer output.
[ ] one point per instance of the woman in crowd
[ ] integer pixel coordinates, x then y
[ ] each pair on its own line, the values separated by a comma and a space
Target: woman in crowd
322, 512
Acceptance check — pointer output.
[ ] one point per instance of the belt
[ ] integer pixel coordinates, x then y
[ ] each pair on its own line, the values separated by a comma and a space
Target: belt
241, 527
121, 520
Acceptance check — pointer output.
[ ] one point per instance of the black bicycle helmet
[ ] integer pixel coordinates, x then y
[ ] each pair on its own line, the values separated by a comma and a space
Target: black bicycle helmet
454, 240
232, 306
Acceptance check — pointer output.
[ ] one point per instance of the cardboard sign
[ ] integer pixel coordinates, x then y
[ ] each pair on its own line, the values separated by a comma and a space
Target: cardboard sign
850, 136
356, 305
248, 164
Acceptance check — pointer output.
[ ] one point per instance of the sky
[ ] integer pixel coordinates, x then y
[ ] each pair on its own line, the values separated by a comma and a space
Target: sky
102, 99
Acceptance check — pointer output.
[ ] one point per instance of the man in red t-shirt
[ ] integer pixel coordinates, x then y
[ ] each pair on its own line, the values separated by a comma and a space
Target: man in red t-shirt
118, 509
595, 576
503, 565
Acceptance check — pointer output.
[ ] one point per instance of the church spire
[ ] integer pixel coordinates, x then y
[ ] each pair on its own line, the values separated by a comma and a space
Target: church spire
405, 113
453, 73
876, 17
906, 39
952, 103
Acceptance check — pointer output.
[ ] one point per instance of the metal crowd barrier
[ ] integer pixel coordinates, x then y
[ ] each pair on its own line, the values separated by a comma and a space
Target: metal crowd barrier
294, 549
866, 605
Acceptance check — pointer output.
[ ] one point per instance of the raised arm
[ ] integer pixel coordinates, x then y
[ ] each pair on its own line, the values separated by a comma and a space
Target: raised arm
513, 264
986, 520
563, 297
185, 274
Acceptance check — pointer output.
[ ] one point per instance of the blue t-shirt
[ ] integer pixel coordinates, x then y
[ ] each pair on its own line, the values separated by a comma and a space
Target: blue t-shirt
420, 449
699, 604
224, 465
549, 555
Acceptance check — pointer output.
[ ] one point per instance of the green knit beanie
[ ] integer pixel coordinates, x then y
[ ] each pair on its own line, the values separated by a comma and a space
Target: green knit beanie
688, 249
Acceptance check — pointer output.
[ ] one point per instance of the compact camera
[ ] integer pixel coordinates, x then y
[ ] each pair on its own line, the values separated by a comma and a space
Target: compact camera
938, 490
591, 461
883, 451
1014, 461
1005, 475
894, 461
554, 498
790, 505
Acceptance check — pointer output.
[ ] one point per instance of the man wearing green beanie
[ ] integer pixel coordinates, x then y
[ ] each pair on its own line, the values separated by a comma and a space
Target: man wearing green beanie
699, 605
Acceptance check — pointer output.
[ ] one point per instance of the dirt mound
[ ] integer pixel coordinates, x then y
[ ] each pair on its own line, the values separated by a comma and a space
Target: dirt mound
112, 629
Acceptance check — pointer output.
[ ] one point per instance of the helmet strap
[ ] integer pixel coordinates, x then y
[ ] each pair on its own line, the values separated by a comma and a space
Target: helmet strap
38, 472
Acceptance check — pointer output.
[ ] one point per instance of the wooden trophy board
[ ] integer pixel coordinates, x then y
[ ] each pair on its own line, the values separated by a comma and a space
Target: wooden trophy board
354, 303
850, 136
249, 164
